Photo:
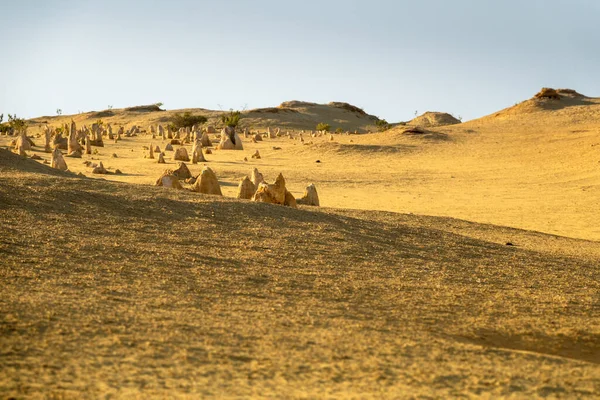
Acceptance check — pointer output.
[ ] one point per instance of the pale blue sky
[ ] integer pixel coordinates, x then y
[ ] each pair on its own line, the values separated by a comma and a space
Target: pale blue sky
390, 57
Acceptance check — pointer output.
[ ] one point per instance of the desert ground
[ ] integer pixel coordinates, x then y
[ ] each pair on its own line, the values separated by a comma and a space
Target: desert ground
459, 261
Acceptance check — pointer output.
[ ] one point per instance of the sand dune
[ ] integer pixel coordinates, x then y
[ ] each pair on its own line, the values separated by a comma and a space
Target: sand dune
458, 262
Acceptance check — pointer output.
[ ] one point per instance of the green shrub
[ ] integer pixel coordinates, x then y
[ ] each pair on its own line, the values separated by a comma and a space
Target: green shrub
186, 120
14, 124
232, 119
323, 127
339, 130
382, 125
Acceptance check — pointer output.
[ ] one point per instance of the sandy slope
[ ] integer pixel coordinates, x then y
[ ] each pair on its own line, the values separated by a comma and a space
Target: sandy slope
127, 290
132, 290
535, 166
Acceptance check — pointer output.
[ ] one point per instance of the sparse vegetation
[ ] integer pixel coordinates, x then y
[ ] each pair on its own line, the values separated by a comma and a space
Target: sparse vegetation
14, 125
339, 130
274, 110
323, 127
231, 119
58, 111
348, 107
146, 108
186, 120
548, 93
382, 125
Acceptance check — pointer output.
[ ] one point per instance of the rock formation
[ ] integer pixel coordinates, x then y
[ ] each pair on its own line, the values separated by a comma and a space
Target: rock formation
182, 172
230, 140
48, 138
256, 177
99, 169
310, 198
22, 143
207, 183
274, 193
111, 136
197, 155
181, 155
57, 161
161, 158
205, 140
88, 145
246, 189
290, 200
74, 148
96, 139
167, 179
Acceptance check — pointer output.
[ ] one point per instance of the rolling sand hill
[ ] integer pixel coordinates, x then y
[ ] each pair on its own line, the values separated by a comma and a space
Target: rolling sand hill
432, 119
289, 115
534, 166
403, 283
112, 289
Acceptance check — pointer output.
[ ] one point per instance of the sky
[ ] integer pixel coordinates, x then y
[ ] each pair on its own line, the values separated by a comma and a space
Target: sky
393, 58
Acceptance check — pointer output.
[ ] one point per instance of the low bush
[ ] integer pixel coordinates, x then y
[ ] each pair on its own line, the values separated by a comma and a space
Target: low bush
186, 120
323, 127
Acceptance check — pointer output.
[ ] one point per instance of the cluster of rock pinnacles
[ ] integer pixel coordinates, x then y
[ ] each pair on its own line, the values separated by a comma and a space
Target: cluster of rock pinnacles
253, 188
80, 141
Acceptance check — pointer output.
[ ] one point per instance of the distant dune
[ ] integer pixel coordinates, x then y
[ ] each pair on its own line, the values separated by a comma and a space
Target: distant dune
297, 115
433, 119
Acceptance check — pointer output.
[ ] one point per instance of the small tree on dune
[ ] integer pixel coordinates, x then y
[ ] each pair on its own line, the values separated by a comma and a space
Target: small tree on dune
232, 119
16, 124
